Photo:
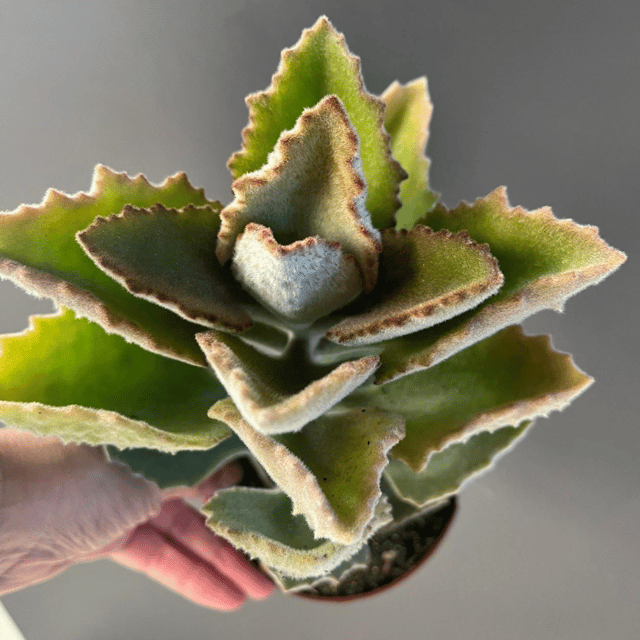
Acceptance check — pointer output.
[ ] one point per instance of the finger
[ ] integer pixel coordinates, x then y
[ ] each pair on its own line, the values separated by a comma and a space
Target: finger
149, 552
184, 524
227, 476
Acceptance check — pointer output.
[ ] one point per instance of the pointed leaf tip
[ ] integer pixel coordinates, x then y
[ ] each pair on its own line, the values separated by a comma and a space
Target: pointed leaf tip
407, 118
318, 65
167, 256
331, 469
544, 261
449, 470
503, 380
425, 278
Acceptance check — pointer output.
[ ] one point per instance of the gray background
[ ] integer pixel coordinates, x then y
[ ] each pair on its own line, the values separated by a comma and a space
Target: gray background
540, 96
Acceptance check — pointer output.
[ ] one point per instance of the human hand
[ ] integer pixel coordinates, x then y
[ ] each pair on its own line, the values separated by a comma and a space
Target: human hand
64, 504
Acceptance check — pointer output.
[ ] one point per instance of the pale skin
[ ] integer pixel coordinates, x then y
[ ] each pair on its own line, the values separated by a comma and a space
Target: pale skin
64, 504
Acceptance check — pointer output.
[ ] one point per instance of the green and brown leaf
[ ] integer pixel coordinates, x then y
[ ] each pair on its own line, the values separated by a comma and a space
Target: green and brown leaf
544, 261
320, 65
330, 469
39, 252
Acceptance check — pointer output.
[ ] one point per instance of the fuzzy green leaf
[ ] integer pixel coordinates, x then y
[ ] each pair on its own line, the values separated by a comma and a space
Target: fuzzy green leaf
67, 377
425, 278
401, 509
312, 185
330, 469
260, 522
320, 64
448, 470
183, 468
39, 252
278, 396
497, 382
167, 256
544, 261
407, 118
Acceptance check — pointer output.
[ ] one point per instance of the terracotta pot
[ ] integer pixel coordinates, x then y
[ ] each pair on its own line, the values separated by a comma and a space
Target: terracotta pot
419, 538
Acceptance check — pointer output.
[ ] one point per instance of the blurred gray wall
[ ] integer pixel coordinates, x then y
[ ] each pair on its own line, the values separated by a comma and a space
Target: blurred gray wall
541, 96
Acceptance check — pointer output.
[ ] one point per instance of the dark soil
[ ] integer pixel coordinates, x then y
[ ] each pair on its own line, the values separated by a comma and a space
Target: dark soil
392, 555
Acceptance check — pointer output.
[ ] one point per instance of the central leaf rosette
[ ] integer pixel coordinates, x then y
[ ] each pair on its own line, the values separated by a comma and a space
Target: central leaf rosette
302, 240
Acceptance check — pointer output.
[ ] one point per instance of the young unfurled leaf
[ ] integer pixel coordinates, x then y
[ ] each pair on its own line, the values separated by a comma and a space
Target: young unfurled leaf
331, 469
167, 256
544, 261
407, 119
449, 469
320, 65
425, 278
55, 265
497, 382
67, 377
278, 396
300, 282
312, 185
260, 522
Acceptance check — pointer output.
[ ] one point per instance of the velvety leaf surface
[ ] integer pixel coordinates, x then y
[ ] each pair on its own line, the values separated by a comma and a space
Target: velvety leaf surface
499, 381
302, 281
331, 469
407, 118
67, 377
180, 469
448, 470
320, 64
401, 509
544, 261
287, 584
260, 522
277, 396
167, 256
39, 252
312, 185
425, 278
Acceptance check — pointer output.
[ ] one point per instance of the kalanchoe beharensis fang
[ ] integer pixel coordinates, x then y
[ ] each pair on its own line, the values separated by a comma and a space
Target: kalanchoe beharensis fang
353, 336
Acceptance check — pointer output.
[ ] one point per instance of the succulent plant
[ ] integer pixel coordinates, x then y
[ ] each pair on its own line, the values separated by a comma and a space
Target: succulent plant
335, 322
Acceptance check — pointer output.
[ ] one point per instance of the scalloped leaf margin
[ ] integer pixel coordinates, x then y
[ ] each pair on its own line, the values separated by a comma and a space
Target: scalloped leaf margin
407, 117
544, 261
39, 253
320, 64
